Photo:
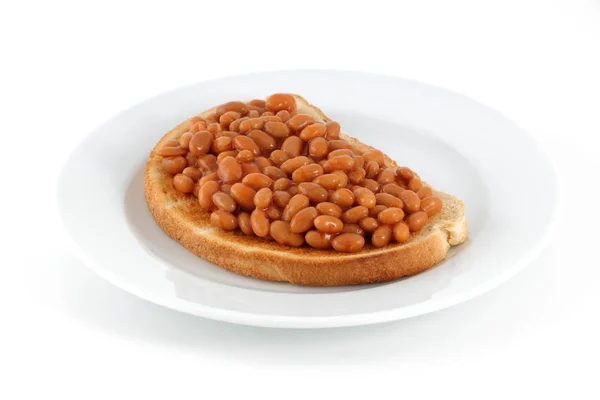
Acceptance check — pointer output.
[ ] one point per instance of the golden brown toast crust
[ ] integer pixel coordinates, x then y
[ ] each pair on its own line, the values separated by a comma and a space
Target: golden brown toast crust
182, 218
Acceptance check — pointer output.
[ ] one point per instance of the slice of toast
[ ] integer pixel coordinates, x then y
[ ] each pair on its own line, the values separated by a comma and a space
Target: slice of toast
182, 218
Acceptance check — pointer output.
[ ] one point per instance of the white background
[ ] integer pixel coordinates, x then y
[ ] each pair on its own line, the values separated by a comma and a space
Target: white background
68, 66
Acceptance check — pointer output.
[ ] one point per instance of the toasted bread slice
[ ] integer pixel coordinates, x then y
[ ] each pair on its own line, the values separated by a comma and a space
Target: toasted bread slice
182, 218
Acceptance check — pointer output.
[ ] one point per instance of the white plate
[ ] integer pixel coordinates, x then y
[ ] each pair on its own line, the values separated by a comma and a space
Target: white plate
456, 144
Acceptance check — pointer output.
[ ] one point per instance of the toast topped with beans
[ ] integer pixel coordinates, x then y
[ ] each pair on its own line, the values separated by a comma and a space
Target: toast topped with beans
274, 190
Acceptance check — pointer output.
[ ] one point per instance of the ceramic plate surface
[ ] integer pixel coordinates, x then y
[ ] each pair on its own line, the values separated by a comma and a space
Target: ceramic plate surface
456, 144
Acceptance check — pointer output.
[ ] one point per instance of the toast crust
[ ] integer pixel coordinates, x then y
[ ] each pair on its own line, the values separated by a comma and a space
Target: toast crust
181, 218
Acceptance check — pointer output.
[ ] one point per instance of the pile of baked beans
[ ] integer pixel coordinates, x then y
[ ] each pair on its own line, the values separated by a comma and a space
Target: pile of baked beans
272, 172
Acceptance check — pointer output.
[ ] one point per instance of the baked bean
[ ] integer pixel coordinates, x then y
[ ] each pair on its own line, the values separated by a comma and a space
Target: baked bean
374, 155
183, 183
171, 143
401, 232
425, 191
314, 192
400, 182
341, 163
273, 212
281, 198
214, 128
224, 220
257, 103
263, 198
303, 220
386, 176
293, 164
415, 184
281, 232
328, 208
184, 140
340, 152
195, 119
210, 118
254, 112
228, 118
205, 193
390, 215
225, 188
243, 195
191, 159
262, 140
194, 173
353, 228
207, 163
431, 205
299, 121
282, 184
242, 142
411, 201
244, 223
278, 157
198, 126
249, 168
259, 222
368, 224
359, 162
416, 221
283, 115
264, 116
173, 165
293, 190
332, 130
318, 147
277, 129
251, 124
229, 170
229, 134
343, 178
393, 189
374, 212
355, 214
405, 173
364, 197
348, 243
235, 125
236, 106
274, 173
382, 236
356, 176
342, 197
307, 173
387, 200
340, 144
262, 162
372, 169
221, 144
212, 176
295, 204
244, 156
328, 181
228, 153
328, 224
281, 101
257, 181
170, 151
370, 184
292, 146
312, 131
224, 202
318, 240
